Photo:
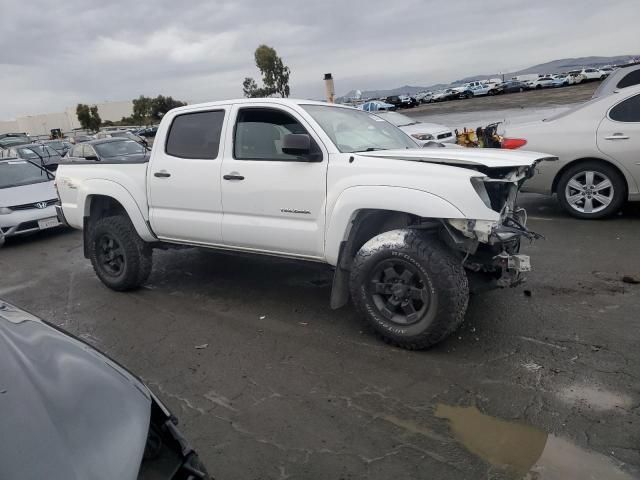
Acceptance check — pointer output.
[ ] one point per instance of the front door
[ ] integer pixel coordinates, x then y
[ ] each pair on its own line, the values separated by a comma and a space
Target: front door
273, 202
184, 178
619, 135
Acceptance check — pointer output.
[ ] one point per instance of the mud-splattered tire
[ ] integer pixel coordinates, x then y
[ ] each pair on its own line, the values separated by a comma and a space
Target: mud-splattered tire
120, 258
410, 288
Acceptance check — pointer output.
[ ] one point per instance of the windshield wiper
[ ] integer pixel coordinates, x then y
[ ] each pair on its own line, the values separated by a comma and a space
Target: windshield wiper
371, 149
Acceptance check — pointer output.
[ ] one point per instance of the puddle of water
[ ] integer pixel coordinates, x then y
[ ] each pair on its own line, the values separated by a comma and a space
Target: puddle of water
523, 451
595, 397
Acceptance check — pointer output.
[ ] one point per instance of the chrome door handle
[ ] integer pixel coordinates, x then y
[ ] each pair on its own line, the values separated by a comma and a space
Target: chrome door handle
617, 136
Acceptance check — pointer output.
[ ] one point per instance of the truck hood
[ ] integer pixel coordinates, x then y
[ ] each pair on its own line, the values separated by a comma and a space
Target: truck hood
466, 157
36, 192
67, 410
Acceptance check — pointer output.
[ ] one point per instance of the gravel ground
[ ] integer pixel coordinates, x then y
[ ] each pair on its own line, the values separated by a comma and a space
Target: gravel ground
541, 378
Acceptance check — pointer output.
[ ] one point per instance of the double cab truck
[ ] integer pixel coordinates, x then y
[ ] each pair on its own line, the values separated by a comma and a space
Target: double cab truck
408, 230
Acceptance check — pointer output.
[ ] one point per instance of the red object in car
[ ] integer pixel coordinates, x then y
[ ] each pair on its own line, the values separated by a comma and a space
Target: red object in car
513, 143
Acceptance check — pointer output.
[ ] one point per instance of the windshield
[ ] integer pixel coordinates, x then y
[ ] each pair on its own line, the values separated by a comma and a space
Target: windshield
118, 149
33, 152
397, 119
15, 173
357, 131
12, 141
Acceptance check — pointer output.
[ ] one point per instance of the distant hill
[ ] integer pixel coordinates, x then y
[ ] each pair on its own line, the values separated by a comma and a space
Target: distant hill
554, 66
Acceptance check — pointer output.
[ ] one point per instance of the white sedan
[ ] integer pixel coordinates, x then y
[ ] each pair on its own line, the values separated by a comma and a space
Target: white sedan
598, 145
421, 132
543, 82
27, 198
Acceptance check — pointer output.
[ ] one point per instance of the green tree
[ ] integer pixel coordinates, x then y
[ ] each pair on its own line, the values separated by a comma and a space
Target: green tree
275, 75
142, 109
161, 105
88, 117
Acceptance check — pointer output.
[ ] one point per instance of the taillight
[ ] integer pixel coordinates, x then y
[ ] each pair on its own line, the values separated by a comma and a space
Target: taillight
513, 143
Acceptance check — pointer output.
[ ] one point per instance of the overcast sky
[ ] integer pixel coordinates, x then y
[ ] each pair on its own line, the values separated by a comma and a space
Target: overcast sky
57, 53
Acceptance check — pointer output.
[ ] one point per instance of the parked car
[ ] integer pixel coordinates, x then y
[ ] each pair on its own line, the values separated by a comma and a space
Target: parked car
376, 106
577, 76
41, 154
81, 139
623, 77
317, 182
70, 412
542, 82
16, 135
597, 143
562, 81
27, 199
424, 97
10, 141
60, 146
108, 150
512, 86
481, 90
422, 132
444, 95
592, 74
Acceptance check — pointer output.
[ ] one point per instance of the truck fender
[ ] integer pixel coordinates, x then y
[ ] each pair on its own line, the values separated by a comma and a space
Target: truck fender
379, 197
120, 194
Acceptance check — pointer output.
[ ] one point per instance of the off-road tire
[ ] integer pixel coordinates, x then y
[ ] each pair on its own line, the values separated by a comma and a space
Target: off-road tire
442, 274
136, 253
619, 188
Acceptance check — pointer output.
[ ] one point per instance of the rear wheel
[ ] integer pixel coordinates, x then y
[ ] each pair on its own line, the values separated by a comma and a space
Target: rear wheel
410, 288
591, 190
120, 258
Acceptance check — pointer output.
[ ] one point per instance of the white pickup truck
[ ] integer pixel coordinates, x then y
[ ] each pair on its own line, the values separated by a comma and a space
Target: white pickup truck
408, 230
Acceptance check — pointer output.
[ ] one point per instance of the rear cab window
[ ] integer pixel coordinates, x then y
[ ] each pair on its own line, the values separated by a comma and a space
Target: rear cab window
195, 135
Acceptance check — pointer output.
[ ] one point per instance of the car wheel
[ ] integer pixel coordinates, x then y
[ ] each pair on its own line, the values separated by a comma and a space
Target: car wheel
538, 86
521, 89
120, 258
410, 288
591, 190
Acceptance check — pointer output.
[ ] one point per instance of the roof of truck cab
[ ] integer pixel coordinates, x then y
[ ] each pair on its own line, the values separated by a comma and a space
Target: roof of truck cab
241, 101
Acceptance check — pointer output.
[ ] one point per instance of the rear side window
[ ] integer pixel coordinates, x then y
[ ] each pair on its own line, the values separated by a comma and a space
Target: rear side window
195, 135
629, 79
627, 111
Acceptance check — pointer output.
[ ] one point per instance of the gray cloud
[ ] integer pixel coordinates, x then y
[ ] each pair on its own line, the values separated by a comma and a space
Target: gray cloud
56, 54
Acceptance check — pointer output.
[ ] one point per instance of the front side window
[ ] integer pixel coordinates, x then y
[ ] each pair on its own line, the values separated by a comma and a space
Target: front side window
357, 131
195, 135
260, 131
627, 110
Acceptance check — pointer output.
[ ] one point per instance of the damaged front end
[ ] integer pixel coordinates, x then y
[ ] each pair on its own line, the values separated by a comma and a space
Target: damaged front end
491, 247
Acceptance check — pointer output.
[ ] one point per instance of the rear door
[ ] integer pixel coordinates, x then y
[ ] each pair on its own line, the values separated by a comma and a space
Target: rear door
619, 134
273, 202
184, 178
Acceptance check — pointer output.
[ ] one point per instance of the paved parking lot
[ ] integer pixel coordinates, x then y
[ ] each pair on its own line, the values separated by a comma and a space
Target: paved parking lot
269, 383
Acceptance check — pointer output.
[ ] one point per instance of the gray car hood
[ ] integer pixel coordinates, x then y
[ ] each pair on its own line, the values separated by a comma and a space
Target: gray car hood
479, 157
67, 411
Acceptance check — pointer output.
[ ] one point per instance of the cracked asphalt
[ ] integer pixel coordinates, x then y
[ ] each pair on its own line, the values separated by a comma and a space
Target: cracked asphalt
269, 383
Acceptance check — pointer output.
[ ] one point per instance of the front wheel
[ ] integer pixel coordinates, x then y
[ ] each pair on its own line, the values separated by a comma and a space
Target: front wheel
120, 258
410, 288
591, 190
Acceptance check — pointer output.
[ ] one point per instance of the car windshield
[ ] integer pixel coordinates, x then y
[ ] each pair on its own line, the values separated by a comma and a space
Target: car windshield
16, 173
12, 141
397, 119
33, 152
118, 149
357, 131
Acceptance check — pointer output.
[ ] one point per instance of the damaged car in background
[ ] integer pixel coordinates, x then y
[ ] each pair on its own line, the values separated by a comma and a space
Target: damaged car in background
407, 230
70, 412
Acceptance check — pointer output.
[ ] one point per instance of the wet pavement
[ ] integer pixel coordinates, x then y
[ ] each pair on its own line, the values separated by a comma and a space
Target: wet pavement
541, 381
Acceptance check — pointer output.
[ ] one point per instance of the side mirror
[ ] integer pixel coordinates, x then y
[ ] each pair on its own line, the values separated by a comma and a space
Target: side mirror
296, 144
